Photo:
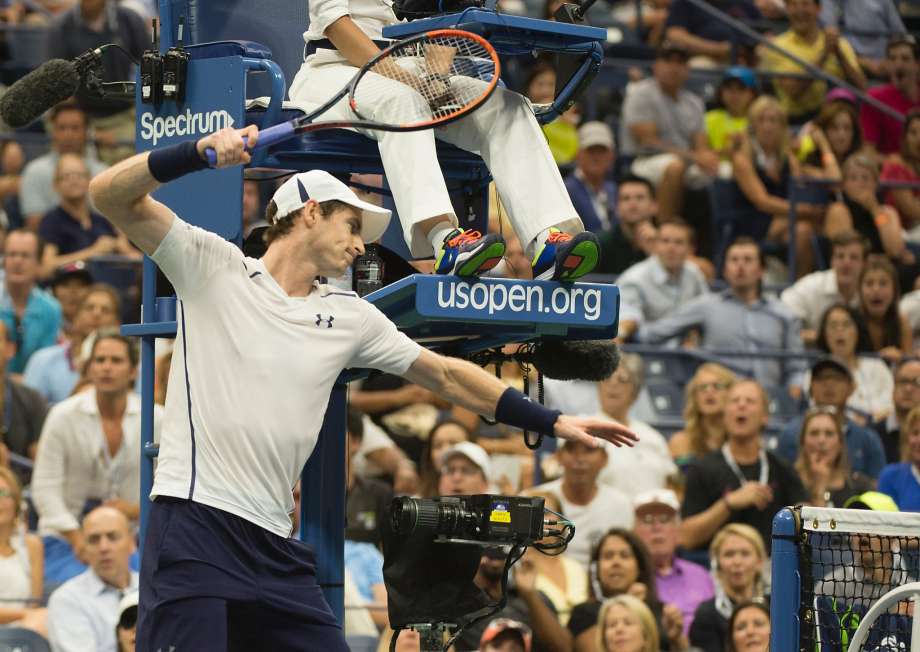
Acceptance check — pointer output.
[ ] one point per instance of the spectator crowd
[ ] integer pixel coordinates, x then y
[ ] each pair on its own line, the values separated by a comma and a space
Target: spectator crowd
762, 223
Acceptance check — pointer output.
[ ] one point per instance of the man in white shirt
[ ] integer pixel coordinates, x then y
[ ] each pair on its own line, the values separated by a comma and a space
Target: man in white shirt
89, 451
660, 284
83, 612
259, 346
594, 508
814, 293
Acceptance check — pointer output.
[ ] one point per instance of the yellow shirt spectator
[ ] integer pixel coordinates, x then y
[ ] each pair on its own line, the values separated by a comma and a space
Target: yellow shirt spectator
812, 99
720, 127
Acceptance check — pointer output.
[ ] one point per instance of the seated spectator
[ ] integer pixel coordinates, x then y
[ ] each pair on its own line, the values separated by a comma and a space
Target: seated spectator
634, 237
679, 582
32, 316
738, 556
380, 457
655, 287
843, 335
739, 318
904, 167
900, 480
905, 397
867, 27
55, 370
822, 464
811, 296
84, 27
802, 98
503, 635
525, 605
559, 578
69, 284
883, 133
25, 412
466, 470
590, 186
364, 562
367, 501
126, 629
21, 562
562, 133
711, 43
663, 127
749, 627
12, 160
832, 137
72, 231
704, 414
83, 613
742, 483
89, 453
729, 120
860, 209
648, 464
620, 566
442, 437
830, 386
625, 624
69, 135
593, 507
879, 296
763, 165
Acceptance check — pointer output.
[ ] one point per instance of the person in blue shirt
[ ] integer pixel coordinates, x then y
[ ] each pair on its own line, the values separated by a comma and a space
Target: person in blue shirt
902, 481
32, 316
593, 192
831, 386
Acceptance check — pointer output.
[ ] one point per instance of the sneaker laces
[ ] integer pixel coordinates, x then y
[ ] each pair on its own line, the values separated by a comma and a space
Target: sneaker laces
558, 236
464, 237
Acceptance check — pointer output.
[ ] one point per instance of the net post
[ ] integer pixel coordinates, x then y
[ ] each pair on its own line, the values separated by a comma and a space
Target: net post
786, 583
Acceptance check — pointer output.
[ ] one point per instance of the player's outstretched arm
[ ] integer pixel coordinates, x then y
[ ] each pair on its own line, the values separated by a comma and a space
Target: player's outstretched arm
464, 383
122, 192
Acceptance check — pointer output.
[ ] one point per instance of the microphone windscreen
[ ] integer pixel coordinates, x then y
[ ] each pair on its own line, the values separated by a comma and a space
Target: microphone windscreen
49, 84
576, 360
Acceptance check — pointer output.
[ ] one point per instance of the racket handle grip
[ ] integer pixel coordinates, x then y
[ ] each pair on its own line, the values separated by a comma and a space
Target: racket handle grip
267, 137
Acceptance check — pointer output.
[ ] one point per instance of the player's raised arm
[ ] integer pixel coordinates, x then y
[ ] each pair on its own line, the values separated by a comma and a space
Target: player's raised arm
464, 383
122, 192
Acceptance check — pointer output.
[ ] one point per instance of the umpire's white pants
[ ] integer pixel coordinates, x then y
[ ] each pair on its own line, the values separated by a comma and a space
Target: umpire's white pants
503, 131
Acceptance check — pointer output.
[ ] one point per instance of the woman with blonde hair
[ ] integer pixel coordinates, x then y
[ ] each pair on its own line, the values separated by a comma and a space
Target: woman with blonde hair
22, 561
822, 463
704, 425
764, 165
737, 554
626, 624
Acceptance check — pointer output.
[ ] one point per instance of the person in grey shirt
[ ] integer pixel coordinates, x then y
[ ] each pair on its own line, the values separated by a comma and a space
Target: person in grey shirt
867, 25
741, 319
68, 136
654, 288
662, 126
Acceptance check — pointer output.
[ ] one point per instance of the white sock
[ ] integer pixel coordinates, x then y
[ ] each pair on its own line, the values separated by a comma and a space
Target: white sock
438, 233
540, 239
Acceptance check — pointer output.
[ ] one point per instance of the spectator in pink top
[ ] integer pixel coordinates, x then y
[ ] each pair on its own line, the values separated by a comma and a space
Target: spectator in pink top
902, 94
904, 166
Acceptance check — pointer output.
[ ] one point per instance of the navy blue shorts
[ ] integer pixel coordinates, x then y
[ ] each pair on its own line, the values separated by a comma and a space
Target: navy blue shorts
212, 581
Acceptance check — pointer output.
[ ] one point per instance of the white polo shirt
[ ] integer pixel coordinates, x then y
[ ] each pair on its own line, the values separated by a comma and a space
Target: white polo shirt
251, 375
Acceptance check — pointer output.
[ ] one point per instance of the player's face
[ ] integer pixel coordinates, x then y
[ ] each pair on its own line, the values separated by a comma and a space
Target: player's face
337, 241
110, 368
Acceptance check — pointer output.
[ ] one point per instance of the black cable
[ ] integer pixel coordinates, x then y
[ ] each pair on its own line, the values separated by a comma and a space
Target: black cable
123, 51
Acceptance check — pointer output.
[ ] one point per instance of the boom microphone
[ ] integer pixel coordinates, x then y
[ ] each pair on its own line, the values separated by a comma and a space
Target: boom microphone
575, 360
46, 86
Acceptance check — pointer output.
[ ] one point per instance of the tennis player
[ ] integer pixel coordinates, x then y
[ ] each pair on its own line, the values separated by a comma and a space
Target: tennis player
258, 348
343, 36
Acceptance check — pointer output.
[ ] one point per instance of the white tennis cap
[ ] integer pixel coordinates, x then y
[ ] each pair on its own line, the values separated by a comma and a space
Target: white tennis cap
322, 186
474, 453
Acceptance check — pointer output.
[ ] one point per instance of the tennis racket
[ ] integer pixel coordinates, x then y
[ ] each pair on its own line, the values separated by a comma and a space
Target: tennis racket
422, 82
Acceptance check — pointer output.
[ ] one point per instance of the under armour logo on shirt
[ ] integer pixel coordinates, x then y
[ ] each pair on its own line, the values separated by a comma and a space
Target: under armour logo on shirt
324, 320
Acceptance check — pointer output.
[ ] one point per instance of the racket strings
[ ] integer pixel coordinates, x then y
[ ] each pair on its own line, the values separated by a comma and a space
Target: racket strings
429, 80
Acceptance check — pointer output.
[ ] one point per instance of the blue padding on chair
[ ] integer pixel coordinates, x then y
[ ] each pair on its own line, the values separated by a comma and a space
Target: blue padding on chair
19, 639
215, 49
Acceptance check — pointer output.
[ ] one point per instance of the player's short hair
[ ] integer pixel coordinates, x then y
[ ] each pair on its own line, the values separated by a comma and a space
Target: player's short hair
282, 226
